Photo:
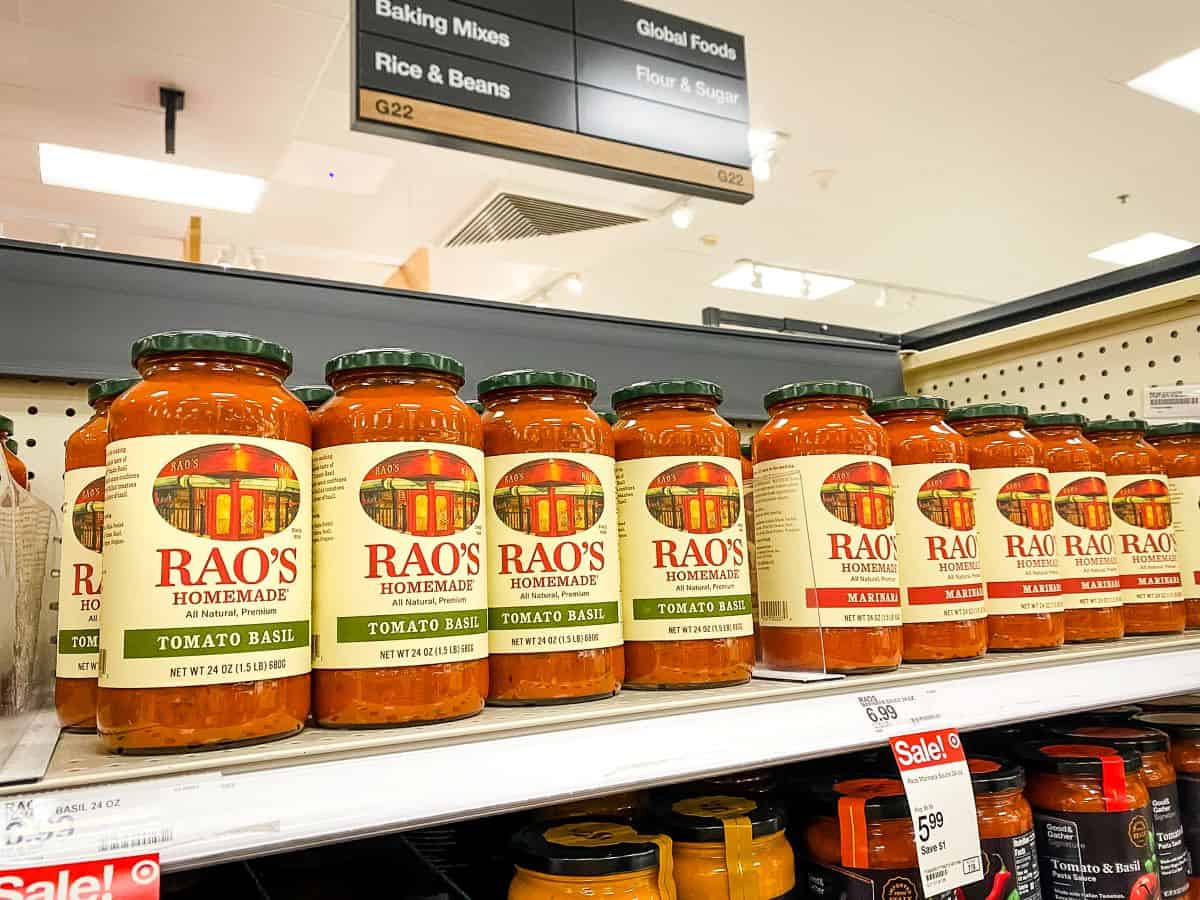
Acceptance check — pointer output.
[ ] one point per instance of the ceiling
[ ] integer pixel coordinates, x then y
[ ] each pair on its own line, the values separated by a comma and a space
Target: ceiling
955, 147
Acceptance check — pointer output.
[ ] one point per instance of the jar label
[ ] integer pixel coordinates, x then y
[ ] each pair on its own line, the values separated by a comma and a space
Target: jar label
1144, 537
1019, 553
940, 573
1173, 859
207, 561
79, 579
1010, 870
751, 559
825, 542
398, 555
1084, 856
684, 567
1185, 510
554, 579
1082, 529
1189, 806
825, 882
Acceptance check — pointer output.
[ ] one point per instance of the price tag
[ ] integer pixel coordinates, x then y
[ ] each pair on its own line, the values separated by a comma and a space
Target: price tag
122, 878
942, 803
898, 712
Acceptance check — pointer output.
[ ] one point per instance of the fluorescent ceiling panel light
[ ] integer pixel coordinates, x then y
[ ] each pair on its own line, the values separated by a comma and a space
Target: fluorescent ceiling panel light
1176, 81
760, 279
1142, 248
146, 179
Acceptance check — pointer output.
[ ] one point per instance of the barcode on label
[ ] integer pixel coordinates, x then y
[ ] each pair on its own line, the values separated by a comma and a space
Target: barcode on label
772, 609
138, 841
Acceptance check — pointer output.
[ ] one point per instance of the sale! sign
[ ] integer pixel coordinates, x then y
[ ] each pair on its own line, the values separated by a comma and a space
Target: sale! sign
125, 878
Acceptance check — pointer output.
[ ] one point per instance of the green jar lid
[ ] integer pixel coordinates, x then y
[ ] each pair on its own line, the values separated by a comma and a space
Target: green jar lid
6, 424
608, 416
1056, 420
312, 395
817, 389
1100, 426
211, 342
109, 387
1173, 429
476, 405
394, 358
523, 378
906, 402
668, 387
12, 446
987, 411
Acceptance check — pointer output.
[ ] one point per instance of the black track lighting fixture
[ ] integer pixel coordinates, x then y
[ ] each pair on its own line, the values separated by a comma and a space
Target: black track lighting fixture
171, 100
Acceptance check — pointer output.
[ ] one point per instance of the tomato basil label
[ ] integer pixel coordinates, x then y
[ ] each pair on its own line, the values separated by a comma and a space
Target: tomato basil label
1083, 530
207, 561
1173, 860
1185, 510
684, 561
554, 579
1091, 856
79, 580
1144, 537
1010, 870
398, 552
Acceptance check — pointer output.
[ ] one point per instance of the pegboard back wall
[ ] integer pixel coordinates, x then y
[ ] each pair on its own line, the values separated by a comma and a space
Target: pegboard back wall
44, 414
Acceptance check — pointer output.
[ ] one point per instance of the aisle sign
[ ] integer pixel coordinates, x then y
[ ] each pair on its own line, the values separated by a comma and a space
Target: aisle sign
124, 878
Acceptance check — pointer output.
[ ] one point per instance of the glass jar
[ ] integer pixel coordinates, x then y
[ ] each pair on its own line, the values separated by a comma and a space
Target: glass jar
1151, 586
551, 527
829, 589
1006, 836
16, 468
726, 845
1179, 444
82, 542
685, 571
941, 587
626, 805
1183, 729
1015, 517
747, 448
586, 859
312, 395
399, 544
1178, 703
1082, 528
207, 565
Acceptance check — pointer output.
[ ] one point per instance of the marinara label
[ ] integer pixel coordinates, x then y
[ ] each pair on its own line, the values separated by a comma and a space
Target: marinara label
684, 562
1082, 529
826, 542
207, 561
79, 581
1144, 538
398, 553
554, 579
1015, 518
1185, 509
1096, 855
940, 575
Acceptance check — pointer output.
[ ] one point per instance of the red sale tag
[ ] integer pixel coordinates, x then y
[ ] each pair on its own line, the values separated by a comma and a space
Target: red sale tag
126, 878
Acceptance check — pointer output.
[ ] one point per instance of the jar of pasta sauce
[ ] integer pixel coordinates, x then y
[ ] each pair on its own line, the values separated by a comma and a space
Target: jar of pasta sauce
1015, 519
1082, 527
1091, 812
16, 468
685, 572
554, 578
829, 588
1178, 703
941, 587
204, 639
1183, 729
1006, 836
312, 395
1179, 444
1159, 775
399, 590
82, 542
748, 511
1143, 532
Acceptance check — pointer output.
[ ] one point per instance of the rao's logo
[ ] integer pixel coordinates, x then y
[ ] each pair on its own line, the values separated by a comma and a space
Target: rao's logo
860, 494
1084, 503
947, 500
1144, 504
1025, 501
429, 493
549, 498
87, 516
697, 498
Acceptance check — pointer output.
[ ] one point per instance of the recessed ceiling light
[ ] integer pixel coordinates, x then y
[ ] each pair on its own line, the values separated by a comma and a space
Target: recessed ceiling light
574, 284
147, 179
1142, 248
759, 279
1176, 81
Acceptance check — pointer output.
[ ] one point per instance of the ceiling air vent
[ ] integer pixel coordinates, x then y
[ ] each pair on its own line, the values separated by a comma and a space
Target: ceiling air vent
513, 217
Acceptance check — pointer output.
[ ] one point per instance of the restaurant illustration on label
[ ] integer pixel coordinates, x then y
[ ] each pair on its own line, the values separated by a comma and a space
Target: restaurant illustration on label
424, 493
947, 500
1144, 504
87, 516
549, 498
1025, 501
860, 494
1084, 503
695, 497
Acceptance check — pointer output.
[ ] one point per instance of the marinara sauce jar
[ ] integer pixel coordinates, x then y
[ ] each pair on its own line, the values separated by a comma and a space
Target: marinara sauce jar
941, 586
1091, 812
1015, 518
1082, 528
829, 589
554, 579
727, 847
82, 542
1183, 728
207, 560
16, 468
1151, 585
748, 512
1179, 444
312, 395
685, 570
1006, 836
399, 591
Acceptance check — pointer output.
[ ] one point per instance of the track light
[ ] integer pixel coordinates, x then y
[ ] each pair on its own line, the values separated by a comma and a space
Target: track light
760, 167
882, 300
574, 283
682, 216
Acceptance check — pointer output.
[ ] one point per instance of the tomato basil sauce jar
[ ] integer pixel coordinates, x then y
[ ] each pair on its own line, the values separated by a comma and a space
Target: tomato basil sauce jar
554, 580
1183, 729
941, 587
16, 468
1015, 519
82, 543
312, 395
1143, 531
829, 589
1006, 835
204, 639
1082, 528
1179, 444
685, 570
399, 590
1091, 811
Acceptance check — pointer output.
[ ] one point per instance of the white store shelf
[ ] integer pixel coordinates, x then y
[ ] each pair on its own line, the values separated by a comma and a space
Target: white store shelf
325, 786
